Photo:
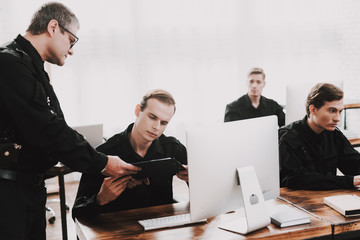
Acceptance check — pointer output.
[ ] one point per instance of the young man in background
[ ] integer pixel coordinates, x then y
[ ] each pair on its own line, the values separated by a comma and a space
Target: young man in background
253, 104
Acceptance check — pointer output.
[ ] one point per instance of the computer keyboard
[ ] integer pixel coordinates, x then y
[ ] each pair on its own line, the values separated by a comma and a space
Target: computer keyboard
165, 222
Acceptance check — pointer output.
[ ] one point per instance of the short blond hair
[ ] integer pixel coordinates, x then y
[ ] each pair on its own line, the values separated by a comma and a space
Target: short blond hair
257, 70
159, 94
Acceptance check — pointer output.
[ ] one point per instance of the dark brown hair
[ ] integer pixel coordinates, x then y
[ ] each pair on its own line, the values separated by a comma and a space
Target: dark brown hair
322, 92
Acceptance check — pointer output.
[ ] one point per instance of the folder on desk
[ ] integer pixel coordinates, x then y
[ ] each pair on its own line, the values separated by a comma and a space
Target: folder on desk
285, 216
348, 205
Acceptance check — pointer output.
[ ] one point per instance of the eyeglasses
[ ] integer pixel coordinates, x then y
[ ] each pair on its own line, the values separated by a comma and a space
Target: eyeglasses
75, 37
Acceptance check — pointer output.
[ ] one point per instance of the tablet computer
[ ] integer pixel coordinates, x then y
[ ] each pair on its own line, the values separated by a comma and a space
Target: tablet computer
158, 167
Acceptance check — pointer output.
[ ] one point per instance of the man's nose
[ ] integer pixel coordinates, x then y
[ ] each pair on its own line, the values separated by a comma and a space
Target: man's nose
337, 117
156, 125
71, 51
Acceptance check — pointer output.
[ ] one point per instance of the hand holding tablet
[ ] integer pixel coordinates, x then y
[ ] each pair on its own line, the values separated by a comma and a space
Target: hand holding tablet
158, 167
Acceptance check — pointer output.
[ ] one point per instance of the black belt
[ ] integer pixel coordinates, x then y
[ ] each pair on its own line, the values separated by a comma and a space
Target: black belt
22, 178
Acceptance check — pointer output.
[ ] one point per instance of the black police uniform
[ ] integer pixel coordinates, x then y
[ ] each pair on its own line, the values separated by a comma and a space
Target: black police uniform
243, 109
158, 192
309, 160
29, 110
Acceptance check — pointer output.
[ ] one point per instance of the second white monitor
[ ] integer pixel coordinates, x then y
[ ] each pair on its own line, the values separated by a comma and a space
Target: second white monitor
214, 153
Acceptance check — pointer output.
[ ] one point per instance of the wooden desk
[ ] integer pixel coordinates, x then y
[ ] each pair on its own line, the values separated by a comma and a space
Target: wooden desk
355, 142
124, 225
313, 201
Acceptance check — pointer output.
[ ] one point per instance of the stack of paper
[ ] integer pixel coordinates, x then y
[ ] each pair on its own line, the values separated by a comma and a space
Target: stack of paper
347, 205
285, 216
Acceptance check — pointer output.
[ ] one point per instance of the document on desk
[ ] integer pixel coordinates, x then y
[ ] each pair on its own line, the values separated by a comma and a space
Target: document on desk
348, 205
283, 215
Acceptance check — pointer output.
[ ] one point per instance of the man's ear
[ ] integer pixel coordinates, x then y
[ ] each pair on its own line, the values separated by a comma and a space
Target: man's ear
312, 109
137, 110
51, 28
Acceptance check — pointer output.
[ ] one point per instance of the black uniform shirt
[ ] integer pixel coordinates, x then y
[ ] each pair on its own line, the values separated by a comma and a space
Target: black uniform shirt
309, 160
243, 109
158, 192
30, 110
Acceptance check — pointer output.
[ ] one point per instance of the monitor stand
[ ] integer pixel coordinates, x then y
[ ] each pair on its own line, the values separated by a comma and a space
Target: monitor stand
256, 213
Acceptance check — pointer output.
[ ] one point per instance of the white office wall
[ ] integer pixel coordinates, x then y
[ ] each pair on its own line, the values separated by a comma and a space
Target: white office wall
198, 50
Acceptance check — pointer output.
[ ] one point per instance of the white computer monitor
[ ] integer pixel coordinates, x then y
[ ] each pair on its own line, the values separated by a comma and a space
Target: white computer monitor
93, 133
296, 95
214, 154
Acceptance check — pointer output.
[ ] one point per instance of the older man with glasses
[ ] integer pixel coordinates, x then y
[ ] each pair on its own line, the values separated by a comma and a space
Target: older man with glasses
33, 133
72, 41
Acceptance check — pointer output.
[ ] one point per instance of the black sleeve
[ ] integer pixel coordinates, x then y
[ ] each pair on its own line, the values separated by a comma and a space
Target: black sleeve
281, 116
37, 124
85, 203
295, 165
181, 154
176, 149
349, 162
230, 114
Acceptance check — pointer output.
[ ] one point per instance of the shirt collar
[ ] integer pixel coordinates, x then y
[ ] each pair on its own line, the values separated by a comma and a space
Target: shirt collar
313, 135
30, 50
249, 105
155, 148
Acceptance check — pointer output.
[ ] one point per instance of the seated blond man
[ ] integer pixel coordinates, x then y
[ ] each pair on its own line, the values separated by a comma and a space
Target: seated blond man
143, 140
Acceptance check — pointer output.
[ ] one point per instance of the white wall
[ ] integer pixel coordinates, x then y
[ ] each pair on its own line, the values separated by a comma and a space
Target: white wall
198, 50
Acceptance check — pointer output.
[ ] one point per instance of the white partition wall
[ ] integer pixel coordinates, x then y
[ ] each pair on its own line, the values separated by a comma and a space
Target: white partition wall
200, 51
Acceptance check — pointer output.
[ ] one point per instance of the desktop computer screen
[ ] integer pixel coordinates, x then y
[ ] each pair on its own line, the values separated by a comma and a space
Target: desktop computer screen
214, 154
93, 133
